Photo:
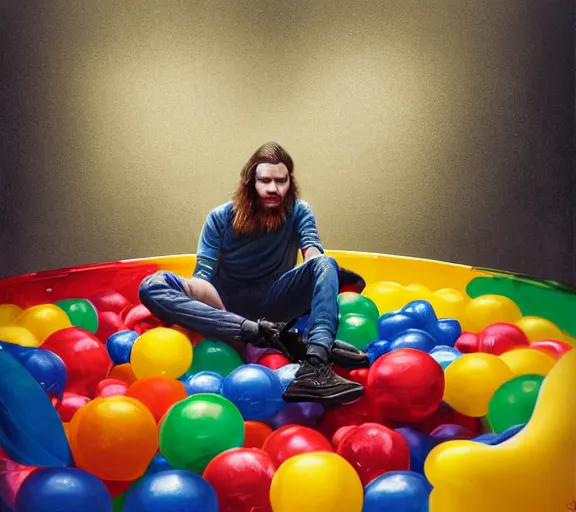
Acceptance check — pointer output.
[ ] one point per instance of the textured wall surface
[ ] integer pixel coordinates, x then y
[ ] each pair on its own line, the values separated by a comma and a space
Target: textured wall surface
437, 130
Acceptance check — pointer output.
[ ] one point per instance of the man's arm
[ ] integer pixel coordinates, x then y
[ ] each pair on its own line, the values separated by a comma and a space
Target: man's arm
209, 244
310, 244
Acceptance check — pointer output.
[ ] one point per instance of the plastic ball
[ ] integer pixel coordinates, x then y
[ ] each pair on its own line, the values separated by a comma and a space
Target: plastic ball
445, 355
487, 309
81, 313
85, 357
413, 338
108, 324
537, 328
354, 413
111, 387
139, 318
447, 331
161, 352
419, 445
157, 464
399, 491
405, 385
169, 491
241, 478
313, 482
450, 432
340, 433
114, 438
273, 361
18, 335
555, 348
215, 356
301, 413
70, 403
255, 390
109, 300
373, 450
48, 370
526, 361
198, 428
357, 330
255, 434
472, 380
501, 337
513, 402
123, 372
423, 312
13, 475
448, 303
447, 415
119, 346
157, 393
467, 343
291, 440
287, 373
350, 302
9, 313
387, 295
63, 489
203, 382
43, 320
391, 325
418, 292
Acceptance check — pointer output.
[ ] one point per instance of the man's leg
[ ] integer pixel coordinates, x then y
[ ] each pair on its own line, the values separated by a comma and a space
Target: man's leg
313, 285
195, 306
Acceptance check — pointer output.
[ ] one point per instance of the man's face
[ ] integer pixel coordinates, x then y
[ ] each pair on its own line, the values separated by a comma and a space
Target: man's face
272, 184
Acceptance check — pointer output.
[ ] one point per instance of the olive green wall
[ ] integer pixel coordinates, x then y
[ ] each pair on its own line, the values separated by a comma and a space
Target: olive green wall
430, 129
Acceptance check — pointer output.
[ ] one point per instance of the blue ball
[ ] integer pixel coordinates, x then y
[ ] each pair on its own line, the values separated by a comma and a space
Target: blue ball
169, 491
445, 356
413, 338
447, 331
375, 349
390, 326
397, 491
119, 346
286, 373
47, 368
255, 390
63, 489
157, 464
203, 382
419, 445
423, 312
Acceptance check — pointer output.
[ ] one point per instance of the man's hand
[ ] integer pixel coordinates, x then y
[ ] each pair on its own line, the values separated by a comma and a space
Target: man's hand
311, 253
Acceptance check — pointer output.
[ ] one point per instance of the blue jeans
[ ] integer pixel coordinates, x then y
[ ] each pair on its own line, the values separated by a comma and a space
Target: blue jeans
311, 287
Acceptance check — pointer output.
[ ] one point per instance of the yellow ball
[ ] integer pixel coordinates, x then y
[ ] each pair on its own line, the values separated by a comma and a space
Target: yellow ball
18, 335
528, 361
448, 303
537, 329
316, 482
488, 309
472, 380
43, 320
387, 296
418, 292
161, 351
9, 313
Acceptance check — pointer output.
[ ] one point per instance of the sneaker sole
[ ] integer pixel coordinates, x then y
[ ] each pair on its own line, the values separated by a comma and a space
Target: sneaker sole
346, 397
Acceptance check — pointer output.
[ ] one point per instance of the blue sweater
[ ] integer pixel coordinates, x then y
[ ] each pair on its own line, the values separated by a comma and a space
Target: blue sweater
228, 260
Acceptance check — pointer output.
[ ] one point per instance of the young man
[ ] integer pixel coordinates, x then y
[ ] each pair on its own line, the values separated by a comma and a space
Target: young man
246, 284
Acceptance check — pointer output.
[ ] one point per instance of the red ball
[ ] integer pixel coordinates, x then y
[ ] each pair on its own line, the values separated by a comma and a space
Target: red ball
71, 402
293, 440
345, 415
86, 359
360, 376
405, 385
373, 450
446, 415
111, 387
117, 487
501, 337
555, 348
109, 323
273, 361
139, 319
157, 393
467, 343
340, 433
109, 300
241, 478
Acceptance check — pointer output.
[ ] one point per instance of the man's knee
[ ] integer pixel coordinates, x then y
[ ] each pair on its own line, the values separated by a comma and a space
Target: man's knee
203, 291
325, 263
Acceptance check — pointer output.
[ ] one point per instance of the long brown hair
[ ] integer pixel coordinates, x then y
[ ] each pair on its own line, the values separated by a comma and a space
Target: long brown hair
249, 217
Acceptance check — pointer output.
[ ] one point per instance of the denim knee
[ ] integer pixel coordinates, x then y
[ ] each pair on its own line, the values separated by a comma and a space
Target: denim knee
325, 263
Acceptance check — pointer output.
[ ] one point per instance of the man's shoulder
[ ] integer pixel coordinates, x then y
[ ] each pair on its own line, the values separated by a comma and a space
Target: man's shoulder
222, 211
302, 207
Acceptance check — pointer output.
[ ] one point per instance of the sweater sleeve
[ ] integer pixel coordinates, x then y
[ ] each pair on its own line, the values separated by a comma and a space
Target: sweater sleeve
209, 245
306, 228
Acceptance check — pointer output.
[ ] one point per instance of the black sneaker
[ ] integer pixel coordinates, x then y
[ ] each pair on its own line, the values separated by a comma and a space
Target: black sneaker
318, 383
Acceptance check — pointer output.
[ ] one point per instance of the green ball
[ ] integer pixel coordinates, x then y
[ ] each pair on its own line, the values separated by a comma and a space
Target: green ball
350, 302
358, 330
198, 428
118, 502
214, 356
81, 313
513, 402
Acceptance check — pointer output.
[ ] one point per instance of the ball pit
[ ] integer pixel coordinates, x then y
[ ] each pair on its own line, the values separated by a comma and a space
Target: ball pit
469, 398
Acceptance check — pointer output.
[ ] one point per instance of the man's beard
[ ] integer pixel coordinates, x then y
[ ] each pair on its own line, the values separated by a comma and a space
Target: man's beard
271, 219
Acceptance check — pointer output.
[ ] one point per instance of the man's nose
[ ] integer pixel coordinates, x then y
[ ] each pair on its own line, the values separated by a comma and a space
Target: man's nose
272, 188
